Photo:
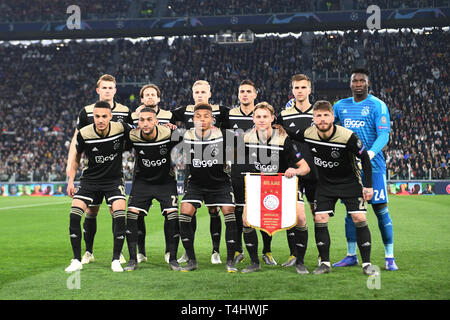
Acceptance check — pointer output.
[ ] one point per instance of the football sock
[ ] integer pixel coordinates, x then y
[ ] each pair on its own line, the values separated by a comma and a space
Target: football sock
386, 229
322, 241
119, 232
194, 226
132, 234
215, 228
251, 243
350, 234
75, 231
166, 233
89, 231
173, 234
230, 234
141, 233
300, 242
290, 236
267, 241
187, 235
239, 225
364, 240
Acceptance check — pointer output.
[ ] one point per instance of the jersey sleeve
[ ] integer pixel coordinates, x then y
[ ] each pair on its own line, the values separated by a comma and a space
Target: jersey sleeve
80, 144
178, 115
381, 118
176, 137
298, 135
279, 119
356, 146
225, 117
129, 118
336, 109
128, 145
293, 153
82, 119
383, 127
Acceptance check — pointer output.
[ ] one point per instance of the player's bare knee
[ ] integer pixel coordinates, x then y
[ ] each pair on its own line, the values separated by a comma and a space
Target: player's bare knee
79, 204
301, 221
119, 204
92, 211
227, 210
321, 218
187, 208
358, 217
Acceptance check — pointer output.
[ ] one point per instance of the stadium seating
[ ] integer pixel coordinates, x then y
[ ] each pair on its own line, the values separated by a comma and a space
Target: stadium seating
37, 118
54, 10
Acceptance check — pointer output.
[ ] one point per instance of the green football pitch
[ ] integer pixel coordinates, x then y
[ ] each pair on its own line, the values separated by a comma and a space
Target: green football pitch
35, 249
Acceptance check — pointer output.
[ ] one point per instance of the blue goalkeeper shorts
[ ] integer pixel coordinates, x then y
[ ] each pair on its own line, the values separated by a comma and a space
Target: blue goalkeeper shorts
380, 194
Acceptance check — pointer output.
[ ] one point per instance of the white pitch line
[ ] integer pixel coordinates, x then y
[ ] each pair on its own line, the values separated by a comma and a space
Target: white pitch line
33, 205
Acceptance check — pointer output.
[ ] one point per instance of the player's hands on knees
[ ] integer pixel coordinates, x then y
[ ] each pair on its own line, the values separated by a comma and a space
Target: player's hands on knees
290, 172
367, 193
70, 189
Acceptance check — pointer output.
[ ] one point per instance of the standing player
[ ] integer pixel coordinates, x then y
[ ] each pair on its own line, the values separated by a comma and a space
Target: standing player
208, 181
201, 93
102, 143
368, 117
295, 118
268, 151
150, 97
240, 119
153, 178
106, 90
335, 150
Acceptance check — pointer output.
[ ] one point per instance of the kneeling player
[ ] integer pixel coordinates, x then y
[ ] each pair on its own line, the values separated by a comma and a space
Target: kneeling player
267, 143
102, 142
152, 179
208, 182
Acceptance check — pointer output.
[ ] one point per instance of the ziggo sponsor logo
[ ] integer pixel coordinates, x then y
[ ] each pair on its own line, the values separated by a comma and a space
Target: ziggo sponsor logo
349, 123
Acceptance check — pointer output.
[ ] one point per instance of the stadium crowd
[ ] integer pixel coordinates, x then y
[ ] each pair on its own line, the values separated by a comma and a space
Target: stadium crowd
268, 62
41, 93
51, 10
235, 7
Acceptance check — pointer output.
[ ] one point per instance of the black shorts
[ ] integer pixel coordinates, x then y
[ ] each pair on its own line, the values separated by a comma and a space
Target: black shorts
239, 191
220, 195
351, 196
143, 193
92, 193
306, 188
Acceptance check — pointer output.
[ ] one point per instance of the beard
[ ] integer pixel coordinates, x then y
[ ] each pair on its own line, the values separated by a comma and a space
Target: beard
328, 127
153, 106
149, 132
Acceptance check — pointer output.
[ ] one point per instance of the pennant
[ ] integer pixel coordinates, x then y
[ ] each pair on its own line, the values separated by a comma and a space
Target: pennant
271, 202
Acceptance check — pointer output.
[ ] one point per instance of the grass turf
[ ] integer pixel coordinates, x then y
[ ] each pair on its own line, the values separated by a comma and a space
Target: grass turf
35, 249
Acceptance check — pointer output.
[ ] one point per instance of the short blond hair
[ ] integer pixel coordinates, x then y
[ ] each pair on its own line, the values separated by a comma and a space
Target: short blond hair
300, 77
105, 77
264, 105
201, 82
